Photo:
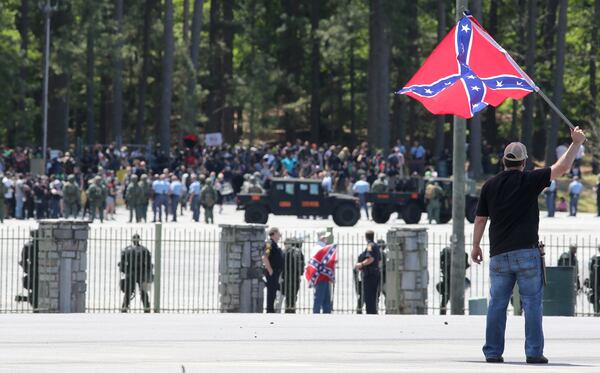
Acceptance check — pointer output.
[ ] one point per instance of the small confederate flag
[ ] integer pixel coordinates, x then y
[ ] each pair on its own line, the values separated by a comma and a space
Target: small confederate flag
321, 266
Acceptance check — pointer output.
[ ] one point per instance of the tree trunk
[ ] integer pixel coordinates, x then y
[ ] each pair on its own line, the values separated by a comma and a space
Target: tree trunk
215, 68
475, 156
186, 21
315, 101
593, 57
378, 72
143, 82
167, 80
558, 83
412, 38
352, 91
118, 77
438, 148
227, 127
89, 82
16, 129
529, 101
58, 111
190, 99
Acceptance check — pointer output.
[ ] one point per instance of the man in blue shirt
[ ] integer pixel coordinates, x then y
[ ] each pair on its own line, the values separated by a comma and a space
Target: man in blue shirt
361, 187
160, 189
550, 195
194, 192
575, 188
175, 191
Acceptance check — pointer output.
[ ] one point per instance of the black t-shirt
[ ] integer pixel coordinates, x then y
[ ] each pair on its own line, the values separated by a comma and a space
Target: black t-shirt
509, 199
275, 255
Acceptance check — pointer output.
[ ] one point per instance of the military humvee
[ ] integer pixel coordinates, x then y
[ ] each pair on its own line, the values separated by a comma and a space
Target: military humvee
299, 197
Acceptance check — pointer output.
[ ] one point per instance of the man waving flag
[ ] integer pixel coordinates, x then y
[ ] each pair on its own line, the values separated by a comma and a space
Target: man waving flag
466, 72
321, 266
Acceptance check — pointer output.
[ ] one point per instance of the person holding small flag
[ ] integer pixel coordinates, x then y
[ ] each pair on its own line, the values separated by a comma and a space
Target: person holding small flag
320, 271
273, 261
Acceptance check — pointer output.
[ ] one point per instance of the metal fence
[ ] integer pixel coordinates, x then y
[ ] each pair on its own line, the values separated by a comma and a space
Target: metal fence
186, 263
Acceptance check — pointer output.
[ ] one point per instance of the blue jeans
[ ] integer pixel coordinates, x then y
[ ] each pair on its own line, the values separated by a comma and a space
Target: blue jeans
524, 267
550, 203
196, 207
573, 200
322, 298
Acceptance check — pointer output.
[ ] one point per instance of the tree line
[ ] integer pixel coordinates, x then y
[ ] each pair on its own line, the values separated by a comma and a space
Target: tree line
153, 71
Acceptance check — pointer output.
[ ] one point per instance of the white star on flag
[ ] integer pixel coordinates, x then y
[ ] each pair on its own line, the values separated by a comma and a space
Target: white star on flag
471, 76
498, 83
465, 28
519, 83
428, 91
447, 83
475, 105
475, 88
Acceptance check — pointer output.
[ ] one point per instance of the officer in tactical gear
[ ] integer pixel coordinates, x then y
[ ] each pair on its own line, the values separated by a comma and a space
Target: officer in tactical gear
96, 198
593, 282
2, 192
254, 187
433, 198
134, 197
272, 259
70, 198
146, 193
29, 263
293, 268
379, 185
443, 287
208, 199
569, 259
368, 264
136, 268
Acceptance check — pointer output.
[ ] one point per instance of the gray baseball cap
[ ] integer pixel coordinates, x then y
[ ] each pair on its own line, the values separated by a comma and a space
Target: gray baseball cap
515, 151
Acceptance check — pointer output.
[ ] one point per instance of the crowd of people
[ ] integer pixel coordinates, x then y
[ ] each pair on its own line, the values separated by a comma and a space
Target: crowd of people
93, 182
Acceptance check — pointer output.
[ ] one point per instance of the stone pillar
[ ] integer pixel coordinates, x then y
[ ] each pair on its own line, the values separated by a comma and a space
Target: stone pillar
62, 265
241, 288
407, 276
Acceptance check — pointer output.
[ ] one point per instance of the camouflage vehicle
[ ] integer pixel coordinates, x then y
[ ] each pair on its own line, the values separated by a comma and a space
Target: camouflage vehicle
408, 200
299, 197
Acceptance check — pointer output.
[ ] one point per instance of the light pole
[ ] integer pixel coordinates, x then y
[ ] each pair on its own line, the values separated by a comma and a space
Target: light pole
47, 9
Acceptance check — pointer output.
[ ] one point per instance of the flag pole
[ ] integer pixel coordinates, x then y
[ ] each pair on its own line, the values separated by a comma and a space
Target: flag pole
457, 280
560, 114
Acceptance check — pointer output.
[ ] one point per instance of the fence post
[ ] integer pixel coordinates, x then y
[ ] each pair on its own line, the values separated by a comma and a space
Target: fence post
62, 265
407, 275
157, 265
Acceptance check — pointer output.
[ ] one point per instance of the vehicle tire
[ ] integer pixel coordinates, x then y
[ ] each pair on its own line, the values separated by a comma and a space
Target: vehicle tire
380, 213
471, 208
256, 215
346, 215
411, 213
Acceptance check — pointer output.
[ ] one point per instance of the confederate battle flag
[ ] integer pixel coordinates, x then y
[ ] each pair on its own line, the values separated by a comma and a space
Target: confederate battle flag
321, 266
467, 72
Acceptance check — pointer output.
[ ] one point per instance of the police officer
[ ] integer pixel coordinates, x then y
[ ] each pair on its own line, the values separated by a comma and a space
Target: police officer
368, 264
593, 282
133, 196
2, 192
569, 259
273, 262
29, 263
292, 271
95, 196
443, 287
208, 199
146, 193
136, 268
